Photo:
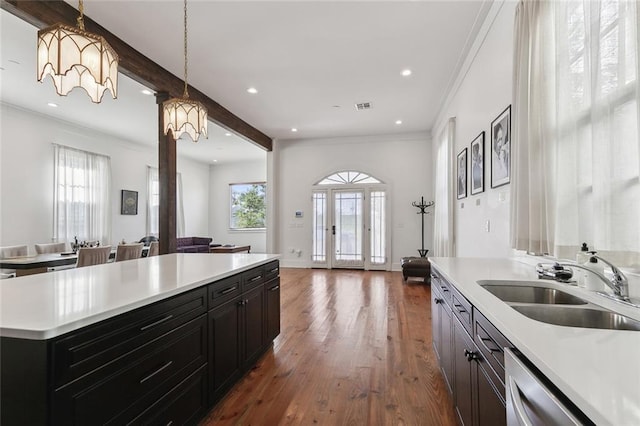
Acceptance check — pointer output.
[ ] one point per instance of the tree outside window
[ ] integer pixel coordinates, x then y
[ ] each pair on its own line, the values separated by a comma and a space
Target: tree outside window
248, 206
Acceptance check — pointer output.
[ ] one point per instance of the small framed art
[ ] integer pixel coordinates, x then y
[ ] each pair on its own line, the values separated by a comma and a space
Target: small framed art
477, 164
501, 149
129, 202
461, 174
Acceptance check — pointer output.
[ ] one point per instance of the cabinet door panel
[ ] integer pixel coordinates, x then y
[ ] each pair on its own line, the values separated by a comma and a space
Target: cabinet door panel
492, 410
464, 381
272, 295
224, 346
436, 324
446, 329
254, 323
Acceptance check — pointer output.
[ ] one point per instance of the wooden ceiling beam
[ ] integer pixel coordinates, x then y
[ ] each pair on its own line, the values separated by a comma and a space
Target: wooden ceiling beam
133, 63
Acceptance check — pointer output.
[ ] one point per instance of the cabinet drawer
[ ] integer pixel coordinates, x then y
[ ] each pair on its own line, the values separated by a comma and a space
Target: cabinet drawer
185, 404
224, 290
462, 310
252, 278
443, 286
98, 397
271, 270
491, 343
96, 346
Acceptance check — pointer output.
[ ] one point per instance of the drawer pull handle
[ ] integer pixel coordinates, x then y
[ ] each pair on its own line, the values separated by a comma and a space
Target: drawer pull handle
459, 308
228, 290
164, 367
274, 288
259, 277
444, 288
170, 423
488, 339
437, 300
273, 270
241, 302
153, 324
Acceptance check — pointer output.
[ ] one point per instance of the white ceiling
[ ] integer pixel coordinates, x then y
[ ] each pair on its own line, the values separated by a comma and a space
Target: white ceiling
311, 61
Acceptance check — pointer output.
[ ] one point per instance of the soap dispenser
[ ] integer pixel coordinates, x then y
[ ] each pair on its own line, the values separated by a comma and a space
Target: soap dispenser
591, 279
582, 258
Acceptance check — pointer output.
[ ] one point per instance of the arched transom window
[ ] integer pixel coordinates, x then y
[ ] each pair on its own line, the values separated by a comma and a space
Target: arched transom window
348, 177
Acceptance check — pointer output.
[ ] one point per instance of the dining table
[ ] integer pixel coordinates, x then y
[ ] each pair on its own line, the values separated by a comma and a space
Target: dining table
39, 263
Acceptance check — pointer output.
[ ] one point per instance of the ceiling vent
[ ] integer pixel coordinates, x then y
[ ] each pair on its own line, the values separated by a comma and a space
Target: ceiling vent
363, 106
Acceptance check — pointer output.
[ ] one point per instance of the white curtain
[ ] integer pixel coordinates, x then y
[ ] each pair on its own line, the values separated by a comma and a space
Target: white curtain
153, 203
82, 196
443, 238
576, 149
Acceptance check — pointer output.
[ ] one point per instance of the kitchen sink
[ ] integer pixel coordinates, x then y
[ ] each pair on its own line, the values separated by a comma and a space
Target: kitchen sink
530, 294
578, 317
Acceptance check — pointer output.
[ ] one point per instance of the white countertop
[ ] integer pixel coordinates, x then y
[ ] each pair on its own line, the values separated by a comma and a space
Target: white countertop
599, 370
47, 305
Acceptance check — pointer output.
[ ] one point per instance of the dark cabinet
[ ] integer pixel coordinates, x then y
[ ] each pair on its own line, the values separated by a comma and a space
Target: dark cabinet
473, 367
272, 303
225, 346
254, 322
164, 363
463, 373
442, 329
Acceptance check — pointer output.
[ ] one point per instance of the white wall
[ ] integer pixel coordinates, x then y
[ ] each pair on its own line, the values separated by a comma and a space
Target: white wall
483, 93
401, 161
26, 178
220, 177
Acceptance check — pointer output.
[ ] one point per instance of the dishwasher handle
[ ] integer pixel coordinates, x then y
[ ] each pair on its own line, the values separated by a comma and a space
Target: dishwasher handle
518, 406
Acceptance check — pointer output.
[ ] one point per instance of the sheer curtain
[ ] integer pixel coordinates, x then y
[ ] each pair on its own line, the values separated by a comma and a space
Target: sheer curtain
443, 238
153, 203
82, 195
576, 129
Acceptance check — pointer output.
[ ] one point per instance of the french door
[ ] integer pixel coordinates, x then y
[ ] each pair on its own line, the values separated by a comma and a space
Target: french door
350, 228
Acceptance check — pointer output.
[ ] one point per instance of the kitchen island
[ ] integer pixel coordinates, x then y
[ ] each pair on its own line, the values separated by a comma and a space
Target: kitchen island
151, 340
596, 369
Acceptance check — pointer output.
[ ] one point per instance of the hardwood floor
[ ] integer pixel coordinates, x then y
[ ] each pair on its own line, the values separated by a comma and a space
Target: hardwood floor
355, 348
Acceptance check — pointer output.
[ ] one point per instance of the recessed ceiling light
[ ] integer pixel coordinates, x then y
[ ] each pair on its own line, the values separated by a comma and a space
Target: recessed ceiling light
293, 129
146, 92
406, 73
52, 105
398, 122
252, 90
215, 161
227, 134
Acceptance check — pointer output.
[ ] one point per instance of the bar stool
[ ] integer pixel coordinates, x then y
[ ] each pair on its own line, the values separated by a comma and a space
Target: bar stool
154, 249
11, 251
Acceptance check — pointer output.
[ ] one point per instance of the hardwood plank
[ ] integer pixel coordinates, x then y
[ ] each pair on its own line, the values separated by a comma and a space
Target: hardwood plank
355, 348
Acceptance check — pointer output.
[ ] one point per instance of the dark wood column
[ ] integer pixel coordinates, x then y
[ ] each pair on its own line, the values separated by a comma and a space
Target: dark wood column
167, 181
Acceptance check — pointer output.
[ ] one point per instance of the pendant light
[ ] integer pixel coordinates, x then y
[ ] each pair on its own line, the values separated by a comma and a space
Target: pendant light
74, 58
182, 115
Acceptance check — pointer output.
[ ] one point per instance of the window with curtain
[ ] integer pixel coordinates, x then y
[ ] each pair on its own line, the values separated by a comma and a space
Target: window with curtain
82, 195
443, 239
576, 129
153, 203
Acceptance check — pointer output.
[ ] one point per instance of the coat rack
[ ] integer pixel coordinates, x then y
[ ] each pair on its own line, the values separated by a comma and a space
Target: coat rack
422, 206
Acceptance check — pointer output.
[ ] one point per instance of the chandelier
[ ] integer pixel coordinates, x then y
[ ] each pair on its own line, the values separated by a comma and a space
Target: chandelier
182, 115
74, 58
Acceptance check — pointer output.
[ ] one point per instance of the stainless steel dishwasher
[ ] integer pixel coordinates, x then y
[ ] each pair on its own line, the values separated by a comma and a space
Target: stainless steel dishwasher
531, 402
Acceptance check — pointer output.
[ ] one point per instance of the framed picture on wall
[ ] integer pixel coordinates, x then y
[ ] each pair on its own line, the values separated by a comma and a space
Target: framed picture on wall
461, 174
501, 149
129, 202
477, 164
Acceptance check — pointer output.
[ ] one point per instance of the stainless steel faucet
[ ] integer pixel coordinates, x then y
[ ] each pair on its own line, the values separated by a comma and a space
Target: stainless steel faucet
559, 271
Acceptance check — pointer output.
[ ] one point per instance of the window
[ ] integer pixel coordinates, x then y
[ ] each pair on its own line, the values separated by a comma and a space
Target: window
348, 177
82, 188
248, 205
153, 203
576, 82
